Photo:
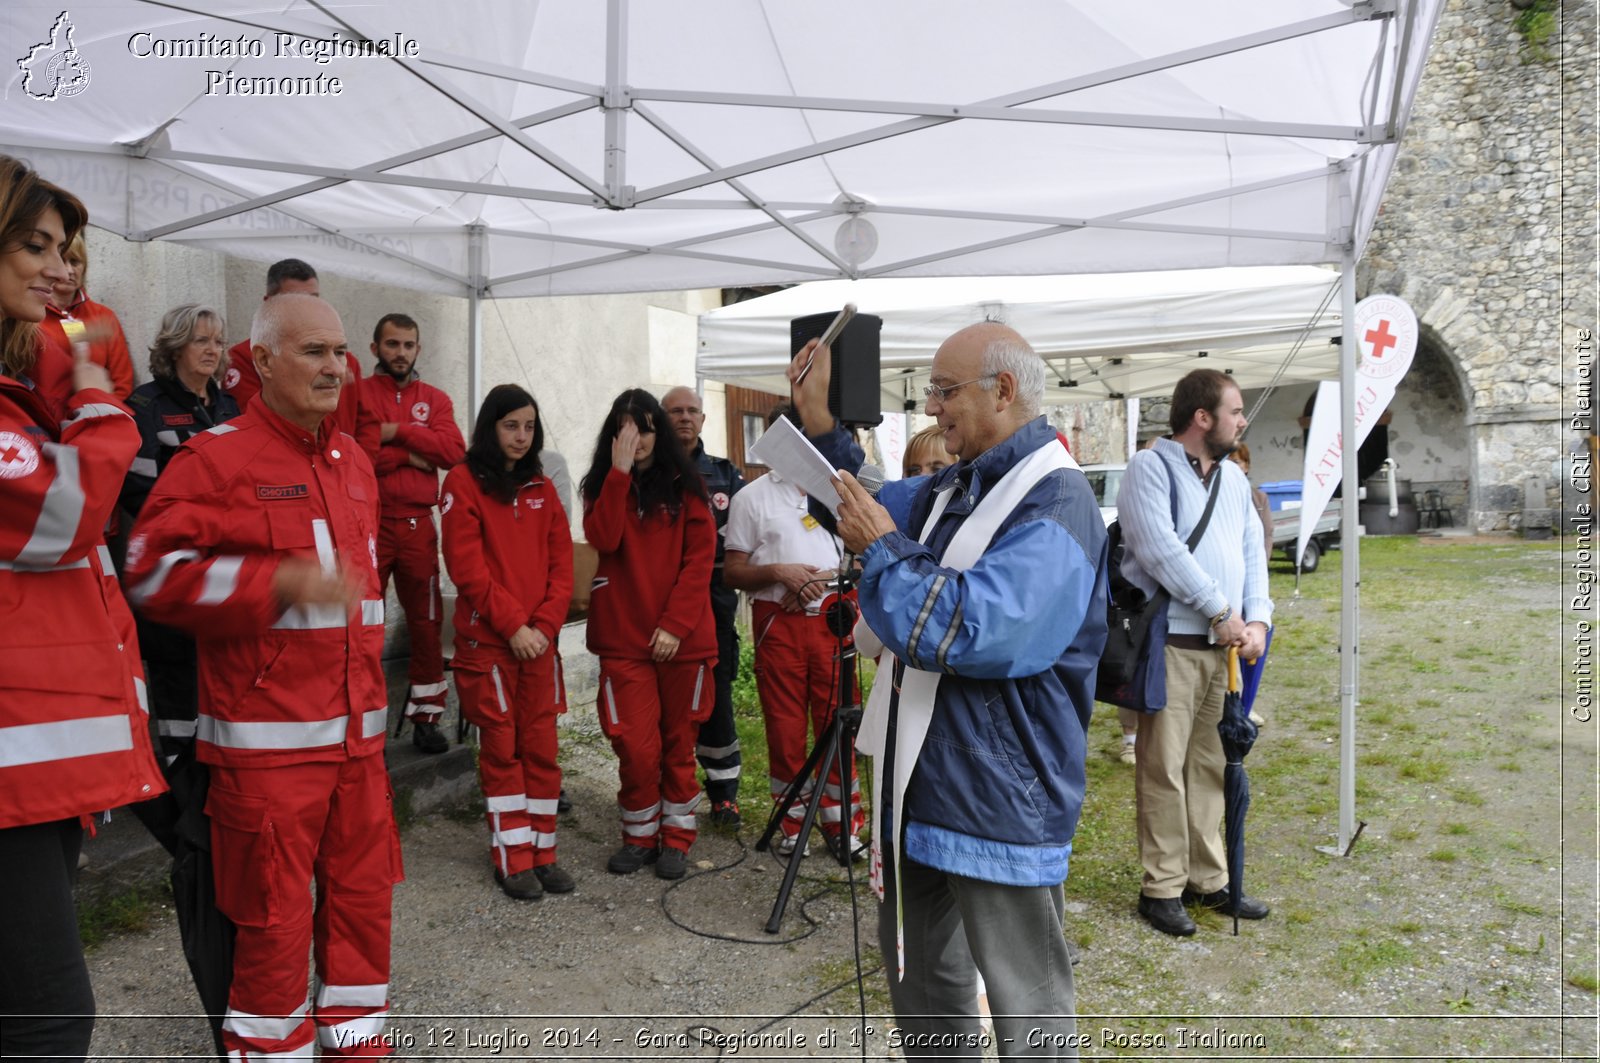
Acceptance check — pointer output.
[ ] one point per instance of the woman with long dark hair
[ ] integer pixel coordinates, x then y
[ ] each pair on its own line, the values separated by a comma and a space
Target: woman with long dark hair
646, 513
508, 548
71, 688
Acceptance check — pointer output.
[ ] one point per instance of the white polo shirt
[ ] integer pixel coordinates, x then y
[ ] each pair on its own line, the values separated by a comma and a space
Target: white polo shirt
769, 521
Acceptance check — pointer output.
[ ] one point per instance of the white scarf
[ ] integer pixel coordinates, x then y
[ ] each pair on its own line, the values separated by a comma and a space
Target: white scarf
918, 688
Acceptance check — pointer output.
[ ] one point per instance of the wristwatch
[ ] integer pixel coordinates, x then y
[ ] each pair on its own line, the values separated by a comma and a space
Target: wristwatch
1223, 617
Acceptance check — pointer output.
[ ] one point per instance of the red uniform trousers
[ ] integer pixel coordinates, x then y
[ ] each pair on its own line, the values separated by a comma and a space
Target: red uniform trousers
797, 679
274, 830
514, 705
652, 714
408, 547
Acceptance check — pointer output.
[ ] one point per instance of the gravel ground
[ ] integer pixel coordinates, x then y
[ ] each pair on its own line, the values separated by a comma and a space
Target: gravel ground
1462, 926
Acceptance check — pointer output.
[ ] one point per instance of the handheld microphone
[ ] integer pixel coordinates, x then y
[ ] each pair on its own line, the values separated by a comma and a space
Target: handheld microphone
870, 477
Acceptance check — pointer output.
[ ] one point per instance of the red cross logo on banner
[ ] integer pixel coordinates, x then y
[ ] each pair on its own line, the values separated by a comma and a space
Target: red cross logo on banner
18, 456
1381, 338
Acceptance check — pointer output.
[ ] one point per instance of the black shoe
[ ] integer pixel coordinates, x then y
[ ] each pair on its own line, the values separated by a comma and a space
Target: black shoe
1249, 907
672, 863
555, 878
725, 815
563, 806
1166, 914
523, 886
427, 738
630, 858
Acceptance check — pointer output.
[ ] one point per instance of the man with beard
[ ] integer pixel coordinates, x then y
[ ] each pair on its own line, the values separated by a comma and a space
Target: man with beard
411, 436
1219, 599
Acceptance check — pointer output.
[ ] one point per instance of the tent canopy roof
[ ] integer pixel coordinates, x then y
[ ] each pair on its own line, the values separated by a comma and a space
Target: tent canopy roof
1103, 336
570, 146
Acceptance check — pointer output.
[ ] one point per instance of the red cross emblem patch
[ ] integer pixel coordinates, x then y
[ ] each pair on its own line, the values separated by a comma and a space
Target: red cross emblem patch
420, 411
18, 456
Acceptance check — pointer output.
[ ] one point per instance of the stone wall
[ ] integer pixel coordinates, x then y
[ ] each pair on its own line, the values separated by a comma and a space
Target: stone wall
1488, 231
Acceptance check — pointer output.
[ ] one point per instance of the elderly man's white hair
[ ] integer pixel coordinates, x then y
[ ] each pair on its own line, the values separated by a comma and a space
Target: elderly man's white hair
1010, 353
266, 328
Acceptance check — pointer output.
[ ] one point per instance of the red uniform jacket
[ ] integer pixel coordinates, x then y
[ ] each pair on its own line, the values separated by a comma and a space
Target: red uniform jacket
109, 350
427, 429
276, 686
74, 730
655, 571
244, 383
511, 563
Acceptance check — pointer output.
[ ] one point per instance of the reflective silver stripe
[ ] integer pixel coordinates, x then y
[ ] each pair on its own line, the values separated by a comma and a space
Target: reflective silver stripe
61, 512
639, 815
14, 566
144, 467
306, 1052
311, 618
504, 803
374, 722
717, 752
90, 410
830, 813
221, 430
499, 690
324, 541
158, 575
922, 617
515, 836
167, 437
680, 807
274, 734
107, 566
544, 841
611, 705
428, 690
830, 790
353, 996
222, 579
542, 807
352, 1033
264, 1027
721, 774
176, 728
639, 830
681, 822
949, 637
140, 693
699, 683
371, 611
39, 743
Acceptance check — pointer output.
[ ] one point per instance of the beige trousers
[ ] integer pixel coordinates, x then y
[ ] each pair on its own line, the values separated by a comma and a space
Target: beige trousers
1178, 779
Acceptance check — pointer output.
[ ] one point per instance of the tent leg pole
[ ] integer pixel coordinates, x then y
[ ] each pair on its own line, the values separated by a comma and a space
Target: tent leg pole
476, 280
1349, 544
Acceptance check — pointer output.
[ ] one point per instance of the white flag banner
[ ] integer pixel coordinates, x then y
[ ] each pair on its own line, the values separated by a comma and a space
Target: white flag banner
1386, 339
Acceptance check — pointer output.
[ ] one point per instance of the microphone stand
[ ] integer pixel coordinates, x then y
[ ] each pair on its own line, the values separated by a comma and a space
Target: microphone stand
835, 746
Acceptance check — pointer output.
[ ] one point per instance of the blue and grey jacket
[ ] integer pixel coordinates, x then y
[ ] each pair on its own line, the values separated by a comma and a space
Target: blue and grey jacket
999, 784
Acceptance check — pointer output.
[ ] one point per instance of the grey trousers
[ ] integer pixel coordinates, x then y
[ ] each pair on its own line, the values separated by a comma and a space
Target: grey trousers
954, 928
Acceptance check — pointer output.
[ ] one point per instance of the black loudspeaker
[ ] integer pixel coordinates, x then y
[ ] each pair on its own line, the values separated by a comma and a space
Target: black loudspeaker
853, 393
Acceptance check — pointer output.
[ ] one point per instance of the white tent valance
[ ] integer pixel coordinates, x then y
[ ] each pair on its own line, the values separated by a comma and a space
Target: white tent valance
1104, 336
573, 146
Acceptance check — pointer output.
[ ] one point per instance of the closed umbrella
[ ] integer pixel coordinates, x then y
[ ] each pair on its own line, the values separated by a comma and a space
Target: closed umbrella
207, 934
1238, 735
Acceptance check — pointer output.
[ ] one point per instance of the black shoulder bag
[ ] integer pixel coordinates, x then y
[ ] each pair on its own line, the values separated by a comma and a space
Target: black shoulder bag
1133, 666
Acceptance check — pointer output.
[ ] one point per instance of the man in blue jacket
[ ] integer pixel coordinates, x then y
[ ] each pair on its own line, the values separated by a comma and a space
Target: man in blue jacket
990, 597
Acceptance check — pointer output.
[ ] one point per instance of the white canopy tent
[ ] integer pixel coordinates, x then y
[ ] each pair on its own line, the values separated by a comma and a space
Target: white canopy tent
505, 148
1104, 336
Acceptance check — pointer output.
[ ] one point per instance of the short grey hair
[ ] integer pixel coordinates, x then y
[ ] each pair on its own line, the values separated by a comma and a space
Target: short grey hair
178, 327
1006, 354
266, 328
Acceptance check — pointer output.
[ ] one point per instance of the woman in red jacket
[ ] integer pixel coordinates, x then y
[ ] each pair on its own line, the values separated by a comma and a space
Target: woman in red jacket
108, 346
509, 550
75, 732
646, 513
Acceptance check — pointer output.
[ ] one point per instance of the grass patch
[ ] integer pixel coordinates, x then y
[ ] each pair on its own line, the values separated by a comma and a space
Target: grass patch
1584, 981
1444, 856
128, 912
1424, 769
1455, 829
1357, 960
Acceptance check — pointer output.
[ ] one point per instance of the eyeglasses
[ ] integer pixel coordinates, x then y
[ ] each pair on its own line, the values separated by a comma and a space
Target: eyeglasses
944, 391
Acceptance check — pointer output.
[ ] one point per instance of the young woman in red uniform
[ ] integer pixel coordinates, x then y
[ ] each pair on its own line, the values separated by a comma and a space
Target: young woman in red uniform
76, 732
646, 513
508, 548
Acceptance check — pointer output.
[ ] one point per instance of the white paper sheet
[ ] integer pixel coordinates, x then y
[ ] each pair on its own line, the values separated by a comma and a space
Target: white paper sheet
785, 449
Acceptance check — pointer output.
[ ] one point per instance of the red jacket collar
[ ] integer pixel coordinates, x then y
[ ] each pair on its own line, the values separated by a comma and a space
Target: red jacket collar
326, 442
